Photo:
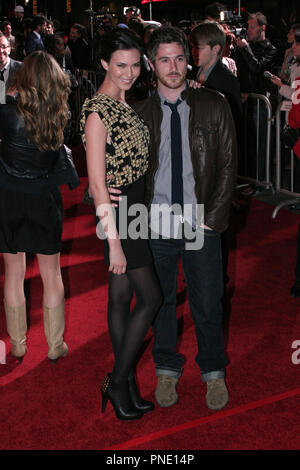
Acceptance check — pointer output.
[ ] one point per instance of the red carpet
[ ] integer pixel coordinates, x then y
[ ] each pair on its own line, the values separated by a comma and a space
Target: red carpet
58, 407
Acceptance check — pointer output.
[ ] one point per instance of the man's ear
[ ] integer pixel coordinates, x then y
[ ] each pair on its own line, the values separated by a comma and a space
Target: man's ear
104, 64
217, 49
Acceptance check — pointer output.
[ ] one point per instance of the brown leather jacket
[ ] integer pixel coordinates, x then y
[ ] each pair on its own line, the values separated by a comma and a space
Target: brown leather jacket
213, 150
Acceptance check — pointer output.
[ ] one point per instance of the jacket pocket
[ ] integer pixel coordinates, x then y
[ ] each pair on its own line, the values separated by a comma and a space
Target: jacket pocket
205, 138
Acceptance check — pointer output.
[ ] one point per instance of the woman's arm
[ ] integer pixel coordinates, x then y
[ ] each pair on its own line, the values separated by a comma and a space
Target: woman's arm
96, 136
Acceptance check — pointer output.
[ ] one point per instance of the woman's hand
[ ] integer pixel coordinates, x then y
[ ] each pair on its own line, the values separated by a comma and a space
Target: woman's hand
117, 196
194, 84
117, 260
113, 191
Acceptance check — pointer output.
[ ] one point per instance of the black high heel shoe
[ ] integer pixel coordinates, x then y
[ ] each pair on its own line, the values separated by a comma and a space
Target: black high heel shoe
139, 403
119, 396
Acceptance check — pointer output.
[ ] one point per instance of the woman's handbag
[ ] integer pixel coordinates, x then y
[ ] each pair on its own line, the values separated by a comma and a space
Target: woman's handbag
289, 136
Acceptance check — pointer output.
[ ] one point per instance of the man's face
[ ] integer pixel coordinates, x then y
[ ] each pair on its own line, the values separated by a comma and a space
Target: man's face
4, 51
7, 30
74, 34
254, 30
204, 55
44, 27
170, 65
19, 15
296, 49
49, 28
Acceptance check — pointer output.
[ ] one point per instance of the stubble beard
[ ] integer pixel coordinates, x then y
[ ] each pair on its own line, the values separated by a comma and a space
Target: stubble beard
172, 83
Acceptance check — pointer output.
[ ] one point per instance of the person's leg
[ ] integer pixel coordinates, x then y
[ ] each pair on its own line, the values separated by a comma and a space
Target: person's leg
14, 302
120, 293
15, 269
50, 271
204, 278
127, 331
148, 298
167, 360
53, 305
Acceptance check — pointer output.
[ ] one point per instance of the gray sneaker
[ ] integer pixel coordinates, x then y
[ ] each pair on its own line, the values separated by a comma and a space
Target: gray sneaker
217, 394
165, 392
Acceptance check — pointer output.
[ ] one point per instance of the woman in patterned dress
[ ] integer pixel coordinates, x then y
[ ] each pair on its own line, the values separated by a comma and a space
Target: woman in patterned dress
117, 143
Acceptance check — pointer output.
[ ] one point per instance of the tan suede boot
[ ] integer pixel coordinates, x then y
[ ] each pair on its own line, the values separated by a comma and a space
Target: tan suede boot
217, 395
165, 393
54, 326
16, 324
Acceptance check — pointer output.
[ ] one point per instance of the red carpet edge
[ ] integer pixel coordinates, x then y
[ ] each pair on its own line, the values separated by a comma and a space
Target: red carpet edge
207, 419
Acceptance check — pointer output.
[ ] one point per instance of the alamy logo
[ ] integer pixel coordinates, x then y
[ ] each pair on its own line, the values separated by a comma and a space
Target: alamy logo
296, 354
296, 93
2, 353
170, 222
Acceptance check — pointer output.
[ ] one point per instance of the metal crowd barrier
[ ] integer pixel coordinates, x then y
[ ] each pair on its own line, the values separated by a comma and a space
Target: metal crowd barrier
284, 182
88, 81
261, 100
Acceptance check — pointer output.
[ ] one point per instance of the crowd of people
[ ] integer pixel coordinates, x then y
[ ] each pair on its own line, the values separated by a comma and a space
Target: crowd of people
176, 145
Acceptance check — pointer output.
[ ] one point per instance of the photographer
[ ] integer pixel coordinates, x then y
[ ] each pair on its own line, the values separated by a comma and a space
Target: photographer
253, 56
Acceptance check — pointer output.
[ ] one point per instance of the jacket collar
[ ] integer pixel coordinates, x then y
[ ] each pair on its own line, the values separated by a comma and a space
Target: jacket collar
184, 94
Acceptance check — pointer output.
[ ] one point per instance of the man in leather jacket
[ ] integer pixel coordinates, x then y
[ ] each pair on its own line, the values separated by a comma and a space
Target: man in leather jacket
208, 147
253, 57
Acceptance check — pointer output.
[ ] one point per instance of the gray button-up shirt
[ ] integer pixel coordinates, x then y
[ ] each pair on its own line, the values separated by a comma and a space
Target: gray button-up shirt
163, 177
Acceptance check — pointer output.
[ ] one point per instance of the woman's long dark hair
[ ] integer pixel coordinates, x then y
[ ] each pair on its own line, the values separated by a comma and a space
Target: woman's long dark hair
43, 90
118, 39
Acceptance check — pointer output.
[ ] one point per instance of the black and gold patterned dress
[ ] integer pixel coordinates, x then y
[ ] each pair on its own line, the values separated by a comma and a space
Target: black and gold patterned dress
127, 160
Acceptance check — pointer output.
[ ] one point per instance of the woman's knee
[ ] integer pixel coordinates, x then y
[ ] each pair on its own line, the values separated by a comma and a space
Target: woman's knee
15, 266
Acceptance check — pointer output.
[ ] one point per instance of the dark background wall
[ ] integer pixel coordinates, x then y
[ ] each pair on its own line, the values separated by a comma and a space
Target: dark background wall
277, 11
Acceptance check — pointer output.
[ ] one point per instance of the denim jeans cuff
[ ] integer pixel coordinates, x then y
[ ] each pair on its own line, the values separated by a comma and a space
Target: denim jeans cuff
215, 374
169, 372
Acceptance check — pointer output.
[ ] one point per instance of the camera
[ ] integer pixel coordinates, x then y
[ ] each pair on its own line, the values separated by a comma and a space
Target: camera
235, 23
239, 32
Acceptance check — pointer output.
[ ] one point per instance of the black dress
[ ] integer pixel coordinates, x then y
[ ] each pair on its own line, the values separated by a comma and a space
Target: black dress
30, 202
127, 161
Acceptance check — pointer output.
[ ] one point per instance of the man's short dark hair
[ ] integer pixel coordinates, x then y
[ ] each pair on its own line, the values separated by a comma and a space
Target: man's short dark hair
259, 17
213, 10
80, 28
166, 35
38, 20
5, 23
209, 33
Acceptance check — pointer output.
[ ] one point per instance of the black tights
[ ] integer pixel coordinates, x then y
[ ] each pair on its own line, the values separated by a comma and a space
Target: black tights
128, 329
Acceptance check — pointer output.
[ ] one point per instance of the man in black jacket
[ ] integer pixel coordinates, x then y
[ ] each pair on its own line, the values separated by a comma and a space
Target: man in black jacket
208, 41
79, 47
253, 57
34, 41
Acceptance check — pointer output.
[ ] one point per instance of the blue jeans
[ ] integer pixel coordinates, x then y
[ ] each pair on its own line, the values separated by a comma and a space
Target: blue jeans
204, 279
